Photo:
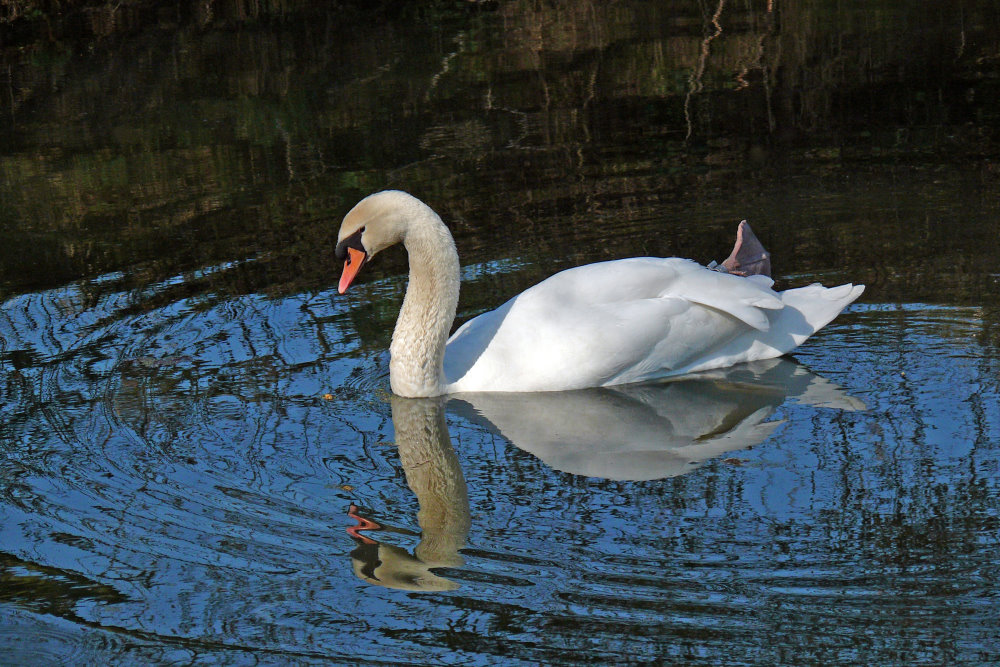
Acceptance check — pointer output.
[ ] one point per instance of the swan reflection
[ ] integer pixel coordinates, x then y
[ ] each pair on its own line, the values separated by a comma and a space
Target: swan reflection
652, 431
435, 477
631, 432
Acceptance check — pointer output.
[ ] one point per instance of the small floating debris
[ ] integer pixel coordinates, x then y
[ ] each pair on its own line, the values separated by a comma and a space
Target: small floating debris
155, 362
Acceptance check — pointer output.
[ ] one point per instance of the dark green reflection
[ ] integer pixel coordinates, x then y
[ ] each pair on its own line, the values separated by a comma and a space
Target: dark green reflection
160, 141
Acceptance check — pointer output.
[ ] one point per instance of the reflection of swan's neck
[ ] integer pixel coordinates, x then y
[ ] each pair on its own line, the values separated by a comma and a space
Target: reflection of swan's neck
416, 366
433, 473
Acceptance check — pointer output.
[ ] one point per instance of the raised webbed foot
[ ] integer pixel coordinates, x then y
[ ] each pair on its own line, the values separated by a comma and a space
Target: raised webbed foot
748, 257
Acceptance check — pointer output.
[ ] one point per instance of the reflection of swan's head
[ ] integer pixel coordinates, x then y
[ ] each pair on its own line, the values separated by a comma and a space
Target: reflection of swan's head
394, 567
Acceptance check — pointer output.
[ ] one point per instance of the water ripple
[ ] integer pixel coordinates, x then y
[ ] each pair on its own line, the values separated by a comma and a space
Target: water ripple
229, 479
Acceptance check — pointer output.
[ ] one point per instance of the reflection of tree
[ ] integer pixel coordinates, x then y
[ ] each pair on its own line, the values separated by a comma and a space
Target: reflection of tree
50, 590
210, 144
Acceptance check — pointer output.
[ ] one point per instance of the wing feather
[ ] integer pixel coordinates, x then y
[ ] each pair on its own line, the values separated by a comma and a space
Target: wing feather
605, 323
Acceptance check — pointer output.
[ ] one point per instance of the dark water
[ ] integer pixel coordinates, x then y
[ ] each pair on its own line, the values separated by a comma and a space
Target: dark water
201, 463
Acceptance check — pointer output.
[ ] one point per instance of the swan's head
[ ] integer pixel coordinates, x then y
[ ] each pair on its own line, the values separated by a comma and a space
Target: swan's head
375, 223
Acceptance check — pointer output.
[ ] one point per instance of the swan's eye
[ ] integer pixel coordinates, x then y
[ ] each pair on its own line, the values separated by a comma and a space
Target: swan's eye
352, 241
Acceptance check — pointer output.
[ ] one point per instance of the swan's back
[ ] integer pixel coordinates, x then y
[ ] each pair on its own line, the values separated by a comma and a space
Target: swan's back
631, 320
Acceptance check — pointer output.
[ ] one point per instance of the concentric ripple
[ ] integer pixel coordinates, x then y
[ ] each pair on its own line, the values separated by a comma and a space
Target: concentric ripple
207, 481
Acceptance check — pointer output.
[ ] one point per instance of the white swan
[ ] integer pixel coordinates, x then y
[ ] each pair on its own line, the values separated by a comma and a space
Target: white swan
601, 324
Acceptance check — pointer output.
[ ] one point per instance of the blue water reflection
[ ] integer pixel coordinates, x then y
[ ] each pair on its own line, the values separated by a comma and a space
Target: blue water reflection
234, 474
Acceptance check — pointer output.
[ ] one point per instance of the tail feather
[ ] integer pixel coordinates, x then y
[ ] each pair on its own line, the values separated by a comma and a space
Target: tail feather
806, 311
818, 304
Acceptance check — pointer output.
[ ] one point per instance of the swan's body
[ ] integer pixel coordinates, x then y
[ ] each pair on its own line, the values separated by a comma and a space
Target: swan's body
602, 324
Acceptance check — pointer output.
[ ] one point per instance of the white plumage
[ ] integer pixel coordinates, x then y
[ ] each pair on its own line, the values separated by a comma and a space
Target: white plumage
602, 324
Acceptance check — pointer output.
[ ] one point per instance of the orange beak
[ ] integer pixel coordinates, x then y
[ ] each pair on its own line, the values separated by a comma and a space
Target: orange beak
355, 259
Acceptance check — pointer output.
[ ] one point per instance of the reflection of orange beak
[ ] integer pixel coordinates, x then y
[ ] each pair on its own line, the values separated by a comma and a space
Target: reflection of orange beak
363, 524
355, 258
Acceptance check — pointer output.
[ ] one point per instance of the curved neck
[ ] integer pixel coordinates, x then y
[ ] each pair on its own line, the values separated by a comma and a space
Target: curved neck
416, 365
433, 473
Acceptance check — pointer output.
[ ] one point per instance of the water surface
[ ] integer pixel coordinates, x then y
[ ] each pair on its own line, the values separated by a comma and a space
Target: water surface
200, 460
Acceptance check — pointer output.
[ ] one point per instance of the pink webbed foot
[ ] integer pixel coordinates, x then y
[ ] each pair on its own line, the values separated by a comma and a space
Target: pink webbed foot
748, 257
